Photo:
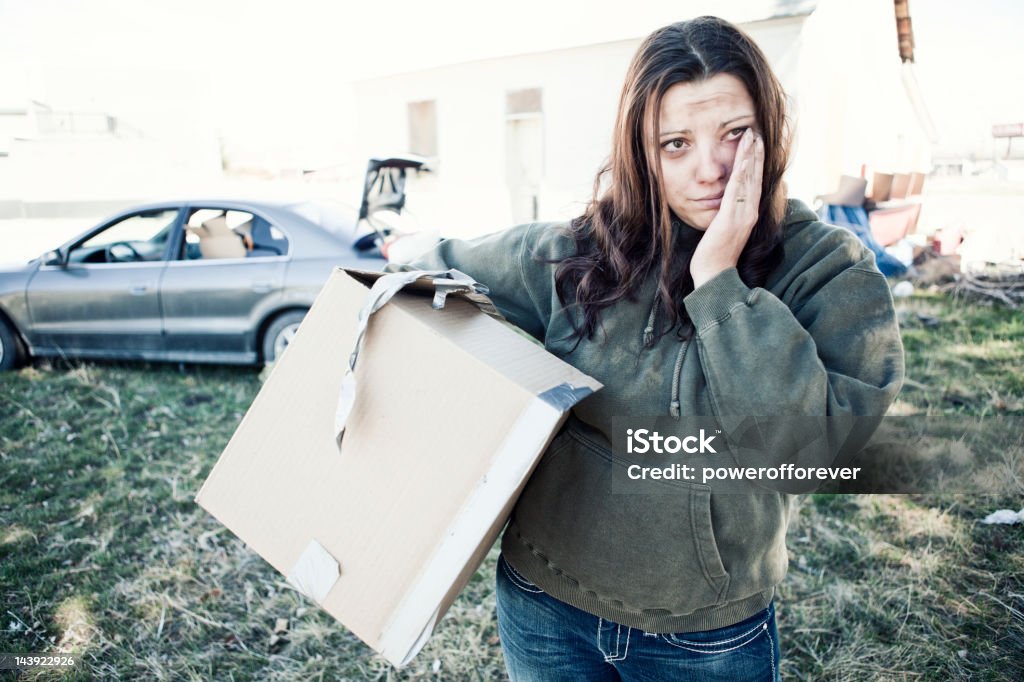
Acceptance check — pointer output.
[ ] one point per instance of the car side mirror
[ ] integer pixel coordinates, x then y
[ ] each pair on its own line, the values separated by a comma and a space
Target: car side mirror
54, 257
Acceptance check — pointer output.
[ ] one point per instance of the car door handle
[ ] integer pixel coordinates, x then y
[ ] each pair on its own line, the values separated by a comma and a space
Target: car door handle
262, 287
139, 289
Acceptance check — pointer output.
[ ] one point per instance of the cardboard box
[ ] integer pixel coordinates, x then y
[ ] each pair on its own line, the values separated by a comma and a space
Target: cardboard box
453, 410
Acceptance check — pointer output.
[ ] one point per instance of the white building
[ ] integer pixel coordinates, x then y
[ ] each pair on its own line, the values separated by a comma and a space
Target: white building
523, 136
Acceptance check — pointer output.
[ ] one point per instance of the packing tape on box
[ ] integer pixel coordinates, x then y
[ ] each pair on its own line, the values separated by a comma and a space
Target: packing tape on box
445, 282
563, 396
315, 572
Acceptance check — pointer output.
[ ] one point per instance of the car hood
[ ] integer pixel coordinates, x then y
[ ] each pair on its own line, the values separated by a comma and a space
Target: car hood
14, 277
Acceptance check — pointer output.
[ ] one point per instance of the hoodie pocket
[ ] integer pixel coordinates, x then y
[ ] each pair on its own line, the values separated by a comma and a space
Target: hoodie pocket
704, 540
639, 551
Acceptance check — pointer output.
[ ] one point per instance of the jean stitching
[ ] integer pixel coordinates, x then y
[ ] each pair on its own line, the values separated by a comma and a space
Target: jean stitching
614, 656
759, 626
625, 653
771, 641
716, 651
522, 578
518, 582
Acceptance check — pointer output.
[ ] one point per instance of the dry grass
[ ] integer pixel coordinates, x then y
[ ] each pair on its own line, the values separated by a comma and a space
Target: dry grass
103, 552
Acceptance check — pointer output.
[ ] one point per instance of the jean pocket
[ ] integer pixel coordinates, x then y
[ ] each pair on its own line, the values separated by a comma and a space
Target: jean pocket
725, 639
517, 578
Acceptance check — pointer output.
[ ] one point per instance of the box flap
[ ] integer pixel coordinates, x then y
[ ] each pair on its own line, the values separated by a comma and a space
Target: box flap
426, 287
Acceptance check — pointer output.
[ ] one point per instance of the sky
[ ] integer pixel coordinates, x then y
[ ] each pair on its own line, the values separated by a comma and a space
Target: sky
274, 76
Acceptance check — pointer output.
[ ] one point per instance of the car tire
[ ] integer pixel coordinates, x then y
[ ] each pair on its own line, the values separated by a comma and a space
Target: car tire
10, 350
279, 334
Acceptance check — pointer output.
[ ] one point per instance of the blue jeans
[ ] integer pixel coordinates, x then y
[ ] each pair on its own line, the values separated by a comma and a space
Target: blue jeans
546, 640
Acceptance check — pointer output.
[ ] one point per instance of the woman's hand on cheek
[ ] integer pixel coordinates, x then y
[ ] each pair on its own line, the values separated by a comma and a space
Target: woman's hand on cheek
723, 241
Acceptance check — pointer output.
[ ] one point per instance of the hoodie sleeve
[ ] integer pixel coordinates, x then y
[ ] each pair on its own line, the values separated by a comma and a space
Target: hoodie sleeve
496, 260
832, 348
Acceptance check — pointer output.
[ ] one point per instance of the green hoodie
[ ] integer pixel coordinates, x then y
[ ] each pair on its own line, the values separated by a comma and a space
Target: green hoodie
820, 338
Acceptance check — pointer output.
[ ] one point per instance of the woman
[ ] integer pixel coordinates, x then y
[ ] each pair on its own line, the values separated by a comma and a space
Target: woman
690, 286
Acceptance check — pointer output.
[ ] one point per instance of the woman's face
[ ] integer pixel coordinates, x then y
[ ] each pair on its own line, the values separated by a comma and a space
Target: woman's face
701, 125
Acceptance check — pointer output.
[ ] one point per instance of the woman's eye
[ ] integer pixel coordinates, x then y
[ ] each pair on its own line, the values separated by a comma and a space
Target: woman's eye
738, 132
674, 145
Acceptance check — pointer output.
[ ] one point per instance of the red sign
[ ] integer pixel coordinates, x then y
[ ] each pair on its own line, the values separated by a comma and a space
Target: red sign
1008, 130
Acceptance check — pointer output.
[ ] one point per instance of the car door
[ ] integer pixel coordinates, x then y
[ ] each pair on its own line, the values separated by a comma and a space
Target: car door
228, 270
104, 299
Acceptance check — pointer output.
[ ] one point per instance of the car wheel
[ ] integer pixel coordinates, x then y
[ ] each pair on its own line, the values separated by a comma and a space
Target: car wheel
279, 334
10, 352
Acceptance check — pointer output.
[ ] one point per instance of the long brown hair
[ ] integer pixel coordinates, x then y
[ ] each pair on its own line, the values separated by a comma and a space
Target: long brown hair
627, 227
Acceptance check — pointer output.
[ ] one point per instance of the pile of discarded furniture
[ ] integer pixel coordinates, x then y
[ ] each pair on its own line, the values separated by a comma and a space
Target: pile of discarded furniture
883, 217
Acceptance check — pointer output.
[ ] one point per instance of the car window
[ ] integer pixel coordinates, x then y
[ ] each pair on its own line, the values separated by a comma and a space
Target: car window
218, 234
138, 237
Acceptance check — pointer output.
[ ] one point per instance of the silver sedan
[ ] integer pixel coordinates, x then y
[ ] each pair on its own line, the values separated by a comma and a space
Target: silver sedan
198, 281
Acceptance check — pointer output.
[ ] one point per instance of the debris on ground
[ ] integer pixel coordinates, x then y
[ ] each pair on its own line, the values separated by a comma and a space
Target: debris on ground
1004, 516
931, 268
991, 282
982, 282
903, 290
908, 318
279, 637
